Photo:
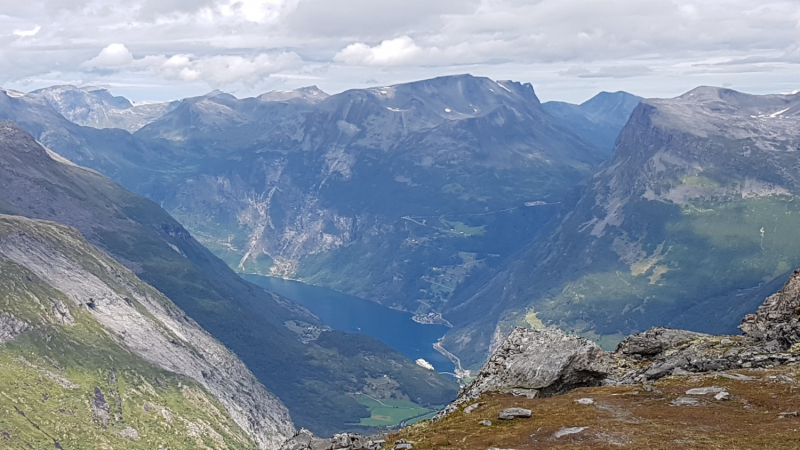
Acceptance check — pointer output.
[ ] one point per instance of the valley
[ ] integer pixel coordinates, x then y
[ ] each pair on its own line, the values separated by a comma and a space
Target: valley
341, 245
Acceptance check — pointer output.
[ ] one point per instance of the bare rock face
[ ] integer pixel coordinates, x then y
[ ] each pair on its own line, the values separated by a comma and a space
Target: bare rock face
100, 409
11, 327
61, 312
141, 319
538, 362
778, 318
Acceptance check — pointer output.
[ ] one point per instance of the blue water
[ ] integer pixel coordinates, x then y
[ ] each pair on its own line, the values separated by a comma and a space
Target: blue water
356, 315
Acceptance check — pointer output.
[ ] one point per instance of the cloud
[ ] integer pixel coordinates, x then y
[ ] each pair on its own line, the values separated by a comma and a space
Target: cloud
27, 33
112, 57
217, 70
392, 52
244, 42
258, 11
608, 72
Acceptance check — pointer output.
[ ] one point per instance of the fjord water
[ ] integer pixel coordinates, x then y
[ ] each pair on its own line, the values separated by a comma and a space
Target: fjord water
356, 315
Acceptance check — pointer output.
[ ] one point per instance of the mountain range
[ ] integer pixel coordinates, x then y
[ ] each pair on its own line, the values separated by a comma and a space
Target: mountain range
401, 194
462, 200
286, 347
694, 217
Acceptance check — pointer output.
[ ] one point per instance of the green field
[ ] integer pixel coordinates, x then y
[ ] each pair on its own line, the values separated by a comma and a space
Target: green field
389, 413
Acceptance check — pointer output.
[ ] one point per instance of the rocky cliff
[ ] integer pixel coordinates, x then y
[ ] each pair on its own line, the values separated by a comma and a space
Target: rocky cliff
70, 312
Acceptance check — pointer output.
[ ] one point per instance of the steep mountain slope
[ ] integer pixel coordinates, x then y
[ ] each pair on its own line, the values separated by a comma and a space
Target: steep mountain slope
400, 194
597, 120
96, 107
690, 224
286, 347
116, 361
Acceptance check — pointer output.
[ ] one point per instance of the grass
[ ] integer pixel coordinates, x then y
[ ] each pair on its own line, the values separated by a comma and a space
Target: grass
630, 417
48, 376
462, 229
391, 412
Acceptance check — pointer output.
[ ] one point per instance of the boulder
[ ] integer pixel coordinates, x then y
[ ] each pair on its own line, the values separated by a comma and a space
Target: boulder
514, 413
705, 390
547, 362
685, 401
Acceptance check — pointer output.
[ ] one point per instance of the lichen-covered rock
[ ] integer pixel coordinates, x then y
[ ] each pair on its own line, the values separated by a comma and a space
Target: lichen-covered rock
777, 318
514, 413
11, 327
100, 409
544, 362
655, 340
306, 440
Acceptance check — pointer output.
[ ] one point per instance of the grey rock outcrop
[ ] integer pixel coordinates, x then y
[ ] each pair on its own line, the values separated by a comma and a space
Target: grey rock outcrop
655, 340
778, 318
514, 413
538, 362
11, 327
548, 362
100, 409
61, 312
306, 440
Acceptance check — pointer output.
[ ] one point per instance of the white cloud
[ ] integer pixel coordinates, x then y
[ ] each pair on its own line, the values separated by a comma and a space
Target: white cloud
235, 43
114, 56
392, 52
258, 11
217, 70
27, 33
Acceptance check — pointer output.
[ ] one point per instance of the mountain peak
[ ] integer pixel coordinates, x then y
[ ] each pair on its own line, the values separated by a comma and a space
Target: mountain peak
311, 94
216, 93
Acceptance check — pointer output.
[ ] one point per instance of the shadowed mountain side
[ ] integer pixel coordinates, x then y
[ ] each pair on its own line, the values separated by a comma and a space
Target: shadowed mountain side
597, 120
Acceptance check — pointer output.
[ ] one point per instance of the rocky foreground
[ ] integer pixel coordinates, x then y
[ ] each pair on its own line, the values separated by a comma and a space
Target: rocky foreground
664, 388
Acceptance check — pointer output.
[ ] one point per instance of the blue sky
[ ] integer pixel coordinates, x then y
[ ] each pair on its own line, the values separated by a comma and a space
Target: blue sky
568, 49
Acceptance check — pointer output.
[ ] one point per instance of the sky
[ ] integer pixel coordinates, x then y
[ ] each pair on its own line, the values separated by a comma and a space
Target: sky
152, 50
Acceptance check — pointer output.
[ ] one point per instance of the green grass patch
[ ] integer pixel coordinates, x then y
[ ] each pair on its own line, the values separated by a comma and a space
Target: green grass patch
390, 412
462, 229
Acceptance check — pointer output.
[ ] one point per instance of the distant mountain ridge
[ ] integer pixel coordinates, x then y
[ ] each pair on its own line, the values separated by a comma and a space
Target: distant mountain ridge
96, 107
597, 120
398, 194
420, 196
